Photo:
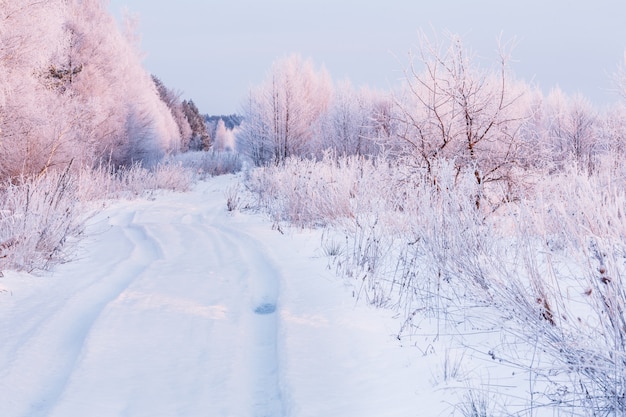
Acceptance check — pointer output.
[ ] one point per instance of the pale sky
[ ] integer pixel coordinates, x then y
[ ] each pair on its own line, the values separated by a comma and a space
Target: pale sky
212, 51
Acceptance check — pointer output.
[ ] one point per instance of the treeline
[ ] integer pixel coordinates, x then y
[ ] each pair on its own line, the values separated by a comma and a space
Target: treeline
72, 88
448, 107
191, 125
471, 204
80, 121
231, 121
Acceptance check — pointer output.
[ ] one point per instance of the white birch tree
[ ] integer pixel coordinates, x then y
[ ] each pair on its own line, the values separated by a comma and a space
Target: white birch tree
571, 130
357, 121
282, 115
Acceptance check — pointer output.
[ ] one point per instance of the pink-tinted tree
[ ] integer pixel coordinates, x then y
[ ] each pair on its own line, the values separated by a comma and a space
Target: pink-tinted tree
356, 121
620, 79
174, 104
283, 115
224, 137
26, 104
454, 109
72, 87
113, 87
571, 130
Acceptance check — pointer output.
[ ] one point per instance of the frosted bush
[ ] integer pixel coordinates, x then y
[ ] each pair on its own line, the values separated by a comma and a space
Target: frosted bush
37, 218
544, 268
173, 177
209, 163
136, 181
309, 193
40, 216
568, 290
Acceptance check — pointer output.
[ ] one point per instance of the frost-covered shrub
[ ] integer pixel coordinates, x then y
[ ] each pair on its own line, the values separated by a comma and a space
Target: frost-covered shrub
309, 193
173, 177
545, 270
566, 292
40, 216
37, 217
209, 163
137, 180
301, 192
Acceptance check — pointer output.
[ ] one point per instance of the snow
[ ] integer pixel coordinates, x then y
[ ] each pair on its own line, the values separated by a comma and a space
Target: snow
176, 307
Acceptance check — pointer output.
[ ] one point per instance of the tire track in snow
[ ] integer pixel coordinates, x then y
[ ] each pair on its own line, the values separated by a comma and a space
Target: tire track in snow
58, 368
36, 382
263, 361
226, 366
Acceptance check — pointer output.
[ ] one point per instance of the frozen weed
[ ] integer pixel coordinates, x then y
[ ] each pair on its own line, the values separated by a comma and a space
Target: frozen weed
210, 163
233, 198
544, 269
41, 216
37, 218
475, 404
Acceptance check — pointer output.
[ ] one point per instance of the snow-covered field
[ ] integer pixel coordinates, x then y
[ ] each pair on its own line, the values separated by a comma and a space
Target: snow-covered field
176, 307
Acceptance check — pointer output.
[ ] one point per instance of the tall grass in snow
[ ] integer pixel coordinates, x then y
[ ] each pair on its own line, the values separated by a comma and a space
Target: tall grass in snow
571, 281
130, 182
307, 193
41, 216
544, 268
209, 163
37, 217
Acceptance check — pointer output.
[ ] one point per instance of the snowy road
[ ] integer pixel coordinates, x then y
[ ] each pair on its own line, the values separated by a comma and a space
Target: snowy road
176, 308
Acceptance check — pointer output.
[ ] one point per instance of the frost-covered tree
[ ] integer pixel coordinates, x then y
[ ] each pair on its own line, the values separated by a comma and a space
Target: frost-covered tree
119, 94
454, 109
200, 138
224, 137
620, 78
72, 87
26, 104
571, 129
283, 114
610, 143
173, 103
254, 138
356, 121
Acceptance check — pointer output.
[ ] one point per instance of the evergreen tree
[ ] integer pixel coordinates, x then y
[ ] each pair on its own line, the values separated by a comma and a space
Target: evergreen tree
200, 139
173, 103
